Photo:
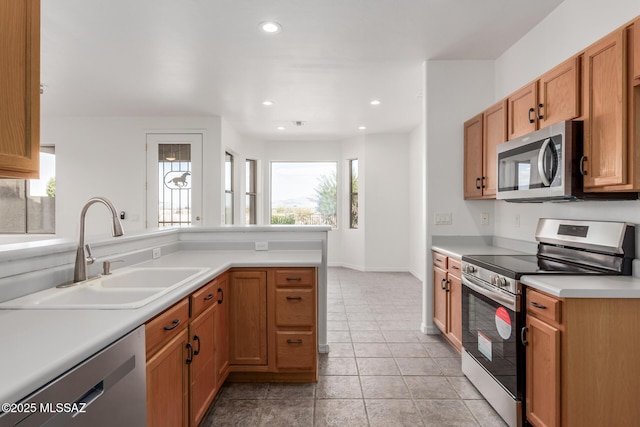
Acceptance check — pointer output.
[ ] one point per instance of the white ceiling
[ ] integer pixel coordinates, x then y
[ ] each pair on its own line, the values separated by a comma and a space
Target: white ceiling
209, 57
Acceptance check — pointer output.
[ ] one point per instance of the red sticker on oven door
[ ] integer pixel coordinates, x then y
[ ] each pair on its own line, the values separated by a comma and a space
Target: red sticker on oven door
503, 323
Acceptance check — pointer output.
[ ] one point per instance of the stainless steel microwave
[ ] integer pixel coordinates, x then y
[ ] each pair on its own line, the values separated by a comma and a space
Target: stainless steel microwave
543, 165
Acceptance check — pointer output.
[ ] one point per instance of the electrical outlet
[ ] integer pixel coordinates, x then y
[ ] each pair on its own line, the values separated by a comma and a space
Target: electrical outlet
157, 252
262, 246
443, 218
484, 218
517, 220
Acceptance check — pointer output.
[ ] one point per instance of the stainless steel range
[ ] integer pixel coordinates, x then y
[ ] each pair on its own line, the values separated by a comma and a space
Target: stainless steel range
493, 301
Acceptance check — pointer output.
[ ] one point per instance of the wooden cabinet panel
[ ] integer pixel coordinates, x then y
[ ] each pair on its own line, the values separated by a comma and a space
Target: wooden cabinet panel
294, 307
222, 330
295, 277
455, 311
495, 132
544, 307
473, 157
636, 49
558, 94
168, 384
605, 142
204, 298
203, 381
20, 88
295, 350
439, 260
440, 299
543, 373
522, 112
248, 318
166, 325
454, 267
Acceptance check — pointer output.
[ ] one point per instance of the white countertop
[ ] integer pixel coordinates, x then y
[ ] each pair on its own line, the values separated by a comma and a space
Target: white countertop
565, 286
40, 345
585, 286
457, 250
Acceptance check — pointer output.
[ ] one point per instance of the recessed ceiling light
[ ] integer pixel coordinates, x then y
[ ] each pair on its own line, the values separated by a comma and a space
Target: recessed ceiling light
267, 103
375, 102
270, 27
362, 128
280, 128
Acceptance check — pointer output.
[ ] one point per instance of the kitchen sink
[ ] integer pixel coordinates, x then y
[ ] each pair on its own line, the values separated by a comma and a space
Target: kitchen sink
148, 277
126, 288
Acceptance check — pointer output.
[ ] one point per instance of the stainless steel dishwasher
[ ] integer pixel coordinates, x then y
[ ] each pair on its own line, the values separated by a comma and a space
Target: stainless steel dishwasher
108, 389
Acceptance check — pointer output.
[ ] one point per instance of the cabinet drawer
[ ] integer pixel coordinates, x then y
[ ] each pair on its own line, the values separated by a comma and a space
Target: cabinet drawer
204, 298
440, 260
295, 350
295, 307
295, 276
543, 306
166, 325
454, 267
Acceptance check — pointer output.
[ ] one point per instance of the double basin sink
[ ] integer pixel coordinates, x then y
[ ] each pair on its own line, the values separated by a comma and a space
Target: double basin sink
126, 288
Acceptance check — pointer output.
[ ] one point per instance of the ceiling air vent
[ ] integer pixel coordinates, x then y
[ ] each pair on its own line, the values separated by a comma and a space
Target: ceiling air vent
298, 122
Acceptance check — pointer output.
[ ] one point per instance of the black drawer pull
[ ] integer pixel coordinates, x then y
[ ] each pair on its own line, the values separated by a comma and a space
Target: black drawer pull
455, 267
221, 292
294, 341
208, 297
173, 325
294, 298
438, 260
536, 305
294, 279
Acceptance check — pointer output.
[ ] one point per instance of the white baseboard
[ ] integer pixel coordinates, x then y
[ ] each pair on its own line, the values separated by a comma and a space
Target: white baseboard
429, 329
323, 348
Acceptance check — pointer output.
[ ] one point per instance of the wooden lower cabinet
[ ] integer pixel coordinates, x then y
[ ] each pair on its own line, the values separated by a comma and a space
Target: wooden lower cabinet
168, 384
222, 330
581, 361
203, 372
447, 298
248, 317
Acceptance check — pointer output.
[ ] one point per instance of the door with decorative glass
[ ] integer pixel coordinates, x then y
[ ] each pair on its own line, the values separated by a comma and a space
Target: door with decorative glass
174, 179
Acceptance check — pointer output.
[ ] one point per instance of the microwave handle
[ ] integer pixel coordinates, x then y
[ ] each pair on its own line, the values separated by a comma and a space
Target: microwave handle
541, 172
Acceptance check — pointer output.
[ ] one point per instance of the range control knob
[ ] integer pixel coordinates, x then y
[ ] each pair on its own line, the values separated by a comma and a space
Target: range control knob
502, 282
470, 269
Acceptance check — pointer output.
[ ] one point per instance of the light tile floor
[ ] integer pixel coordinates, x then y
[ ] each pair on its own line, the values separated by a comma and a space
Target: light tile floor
381, 370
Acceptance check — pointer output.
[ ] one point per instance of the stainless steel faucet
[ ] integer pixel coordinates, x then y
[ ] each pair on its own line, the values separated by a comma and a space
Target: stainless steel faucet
83, 255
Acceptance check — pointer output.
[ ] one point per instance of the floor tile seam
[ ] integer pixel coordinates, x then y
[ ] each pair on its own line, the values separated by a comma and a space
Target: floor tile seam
464, 402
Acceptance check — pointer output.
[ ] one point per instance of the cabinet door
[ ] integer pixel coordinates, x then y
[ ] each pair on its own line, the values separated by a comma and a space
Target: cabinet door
222, 330
522, 111
168, 384
20, 88
495, 132
636, 49
248, 318
439, 299
455, 311
202, 333
543, 373
473, 158
558, 94
605, 142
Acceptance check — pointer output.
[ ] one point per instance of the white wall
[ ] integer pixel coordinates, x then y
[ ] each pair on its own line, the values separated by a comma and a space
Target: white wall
105, 156
417, 202
386, 203
573, 26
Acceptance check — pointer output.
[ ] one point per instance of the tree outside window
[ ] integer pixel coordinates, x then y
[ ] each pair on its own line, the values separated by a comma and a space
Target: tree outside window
353, 193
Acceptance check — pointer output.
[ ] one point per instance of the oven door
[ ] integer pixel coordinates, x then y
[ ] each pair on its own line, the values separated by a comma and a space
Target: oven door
490, 324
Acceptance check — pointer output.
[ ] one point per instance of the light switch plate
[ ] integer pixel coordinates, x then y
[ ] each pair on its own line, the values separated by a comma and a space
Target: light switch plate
157, 252
484, 218
443, 218
262, 246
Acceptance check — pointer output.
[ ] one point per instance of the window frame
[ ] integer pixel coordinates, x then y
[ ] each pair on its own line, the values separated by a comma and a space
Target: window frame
353, 216
251, 191
229, 216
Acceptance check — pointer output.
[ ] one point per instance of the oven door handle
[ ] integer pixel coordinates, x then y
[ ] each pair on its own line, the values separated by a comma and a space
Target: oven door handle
478, 287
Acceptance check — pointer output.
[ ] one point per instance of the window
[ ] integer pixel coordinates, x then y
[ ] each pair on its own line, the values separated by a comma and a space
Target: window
228, 188
28, 206
250, 196
174, 173
304, 193
353, 193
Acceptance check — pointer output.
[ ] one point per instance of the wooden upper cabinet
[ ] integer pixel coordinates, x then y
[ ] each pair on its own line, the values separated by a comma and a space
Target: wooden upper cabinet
559, 94
636, 50
554, 97
605, 119
20, 88
473, 157
494, 133
522, 111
